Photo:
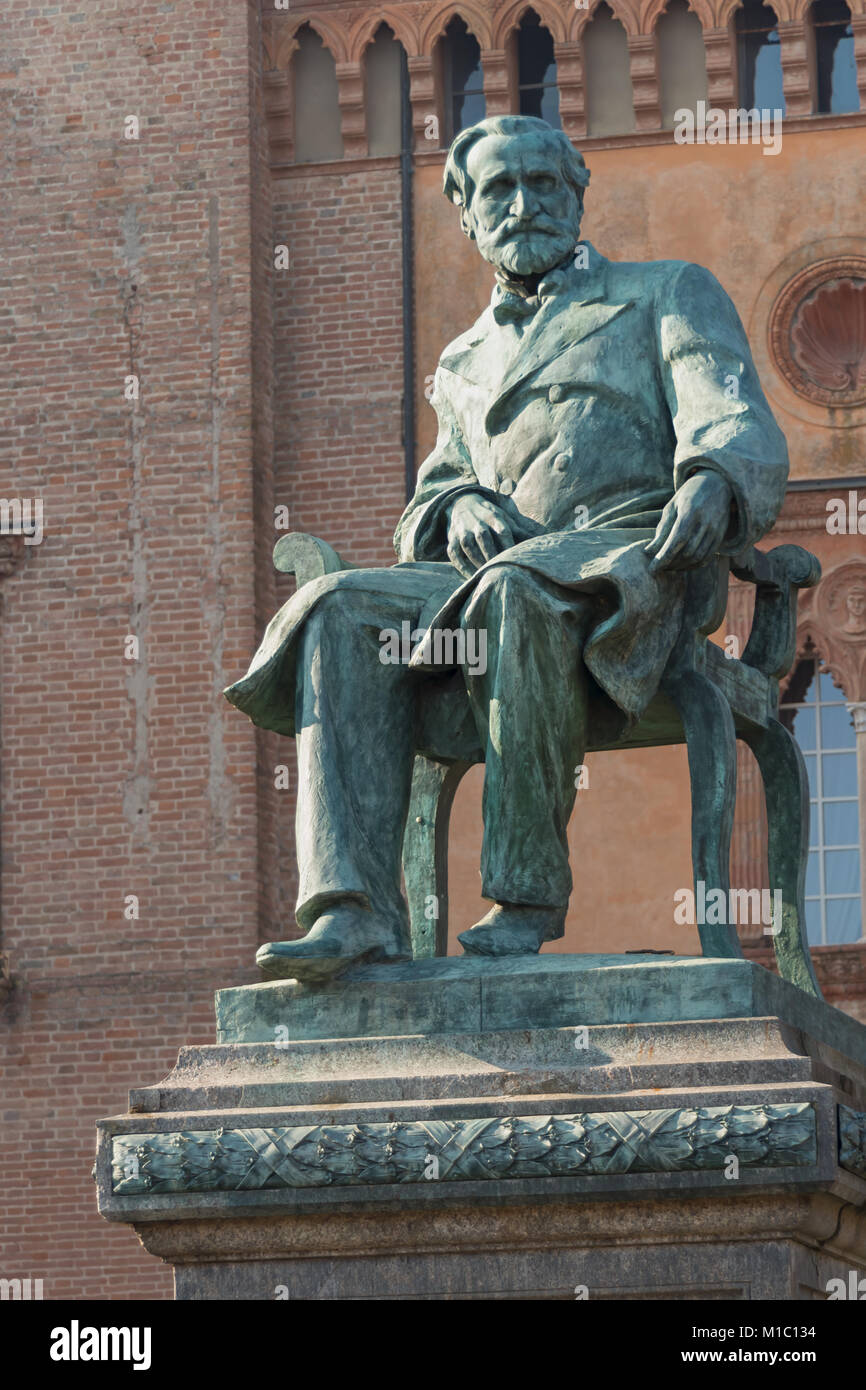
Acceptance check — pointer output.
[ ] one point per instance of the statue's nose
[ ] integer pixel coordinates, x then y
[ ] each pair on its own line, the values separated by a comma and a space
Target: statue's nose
523, 204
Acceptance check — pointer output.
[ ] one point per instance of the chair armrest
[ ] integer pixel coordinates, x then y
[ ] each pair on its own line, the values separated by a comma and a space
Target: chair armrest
777, 575
306, 557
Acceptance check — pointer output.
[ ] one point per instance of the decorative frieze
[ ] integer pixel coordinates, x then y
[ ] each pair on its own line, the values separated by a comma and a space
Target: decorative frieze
512, 1147
852, 1140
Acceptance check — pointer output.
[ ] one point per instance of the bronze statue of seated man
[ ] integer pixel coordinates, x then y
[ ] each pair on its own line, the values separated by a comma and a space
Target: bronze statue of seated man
602, 431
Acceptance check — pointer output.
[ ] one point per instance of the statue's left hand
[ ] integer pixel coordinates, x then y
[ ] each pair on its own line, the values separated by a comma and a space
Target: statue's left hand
693, 525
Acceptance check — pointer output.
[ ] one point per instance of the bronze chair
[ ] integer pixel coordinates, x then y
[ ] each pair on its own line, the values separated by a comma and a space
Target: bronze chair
706, 700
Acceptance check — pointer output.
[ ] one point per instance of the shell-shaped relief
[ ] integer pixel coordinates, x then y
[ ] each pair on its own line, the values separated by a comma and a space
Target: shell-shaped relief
818, 332
828, 336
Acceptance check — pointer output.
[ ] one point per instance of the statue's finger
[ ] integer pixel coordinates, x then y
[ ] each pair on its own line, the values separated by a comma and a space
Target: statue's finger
473, 552
673, 545
486, 542
663, 530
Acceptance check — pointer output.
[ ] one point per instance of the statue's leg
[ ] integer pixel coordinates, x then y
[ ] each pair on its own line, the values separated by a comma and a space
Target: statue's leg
355, 720
530, 706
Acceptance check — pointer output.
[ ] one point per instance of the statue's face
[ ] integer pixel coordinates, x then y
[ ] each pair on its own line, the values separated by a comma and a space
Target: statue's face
524, 215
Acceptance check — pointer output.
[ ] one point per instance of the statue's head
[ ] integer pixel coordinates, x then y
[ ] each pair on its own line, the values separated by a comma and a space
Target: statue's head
519, 185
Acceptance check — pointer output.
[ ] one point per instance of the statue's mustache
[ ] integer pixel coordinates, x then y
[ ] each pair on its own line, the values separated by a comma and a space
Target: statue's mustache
529, 226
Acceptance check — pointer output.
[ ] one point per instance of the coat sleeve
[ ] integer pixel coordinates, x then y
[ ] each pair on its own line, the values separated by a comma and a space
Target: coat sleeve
422, 531
720, 416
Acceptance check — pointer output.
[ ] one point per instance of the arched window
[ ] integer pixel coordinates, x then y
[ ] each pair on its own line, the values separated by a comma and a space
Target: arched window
816, 712
462, 78
609, 100
759, 58
682, 61
835, 67
317, 106
537, 92
383, 80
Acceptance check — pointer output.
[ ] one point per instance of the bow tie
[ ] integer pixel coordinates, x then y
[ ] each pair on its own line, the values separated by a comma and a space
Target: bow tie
516, 306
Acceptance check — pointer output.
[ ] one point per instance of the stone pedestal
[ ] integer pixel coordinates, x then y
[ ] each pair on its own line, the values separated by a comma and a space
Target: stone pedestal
548, 1127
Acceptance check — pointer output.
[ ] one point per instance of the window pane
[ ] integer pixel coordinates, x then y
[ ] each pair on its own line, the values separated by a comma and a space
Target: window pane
755, 15
609, 107
681, 59
812, 773
842, 871
813, 923
466, 74
843, 920
836, 69
760, 60
318, 133
804, 727
830, 11
841, 823
383, 96
837, 729
813, 877
535, 53
839, 771
468, 110
550, 107
829, 693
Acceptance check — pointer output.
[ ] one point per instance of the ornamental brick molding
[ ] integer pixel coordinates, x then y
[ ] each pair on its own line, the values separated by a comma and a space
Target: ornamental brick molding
852, 1140
535, 1146
817, 332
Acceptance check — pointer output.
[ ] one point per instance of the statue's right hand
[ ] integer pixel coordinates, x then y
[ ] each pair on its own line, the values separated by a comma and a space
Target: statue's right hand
477, 531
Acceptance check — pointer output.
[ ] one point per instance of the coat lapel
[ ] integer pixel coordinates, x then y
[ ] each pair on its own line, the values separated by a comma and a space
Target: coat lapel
563, 320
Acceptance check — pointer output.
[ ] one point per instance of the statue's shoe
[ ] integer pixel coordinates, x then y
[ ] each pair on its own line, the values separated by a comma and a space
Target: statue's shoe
340, 938
510, 930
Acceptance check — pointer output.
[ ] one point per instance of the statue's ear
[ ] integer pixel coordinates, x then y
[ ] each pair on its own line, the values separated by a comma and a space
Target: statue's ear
467, 224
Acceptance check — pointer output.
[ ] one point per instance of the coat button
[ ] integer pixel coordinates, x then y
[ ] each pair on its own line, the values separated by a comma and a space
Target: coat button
561, 462
506, 487
556, 394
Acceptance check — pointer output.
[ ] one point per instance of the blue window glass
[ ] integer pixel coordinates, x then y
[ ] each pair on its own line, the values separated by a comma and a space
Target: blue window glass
464, 80
536, 71
759, 58
816, 713
835, 63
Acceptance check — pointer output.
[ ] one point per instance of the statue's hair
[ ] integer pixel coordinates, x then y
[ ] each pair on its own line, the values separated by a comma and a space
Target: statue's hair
458, 187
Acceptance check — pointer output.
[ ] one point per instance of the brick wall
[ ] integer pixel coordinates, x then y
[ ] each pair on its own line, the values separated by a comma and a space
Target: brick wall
338, 368
125, 777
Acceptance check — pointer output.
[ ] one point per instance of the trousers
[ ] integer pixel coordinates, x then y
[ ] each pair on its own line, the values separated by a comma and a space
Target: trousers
356, 720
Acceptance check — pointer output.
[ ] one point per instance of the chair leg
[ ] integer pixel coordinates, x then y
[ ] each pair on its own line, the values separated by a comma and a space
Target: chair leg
425, 853
786, 788
712, 748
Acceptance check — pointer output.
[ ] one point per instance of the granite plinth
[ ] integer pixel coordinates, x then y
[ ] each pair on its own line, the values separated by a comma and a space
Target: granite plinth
520, 1128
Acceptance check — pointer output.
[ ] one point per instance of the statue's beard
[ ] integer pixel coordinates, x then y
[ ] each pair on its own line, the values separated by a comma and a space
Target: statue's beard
529, 253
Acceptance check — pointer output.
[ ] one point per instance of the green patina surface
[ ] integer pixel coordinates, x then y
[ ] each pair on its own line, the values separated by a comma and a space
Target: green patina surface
417, 1151
605, 454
